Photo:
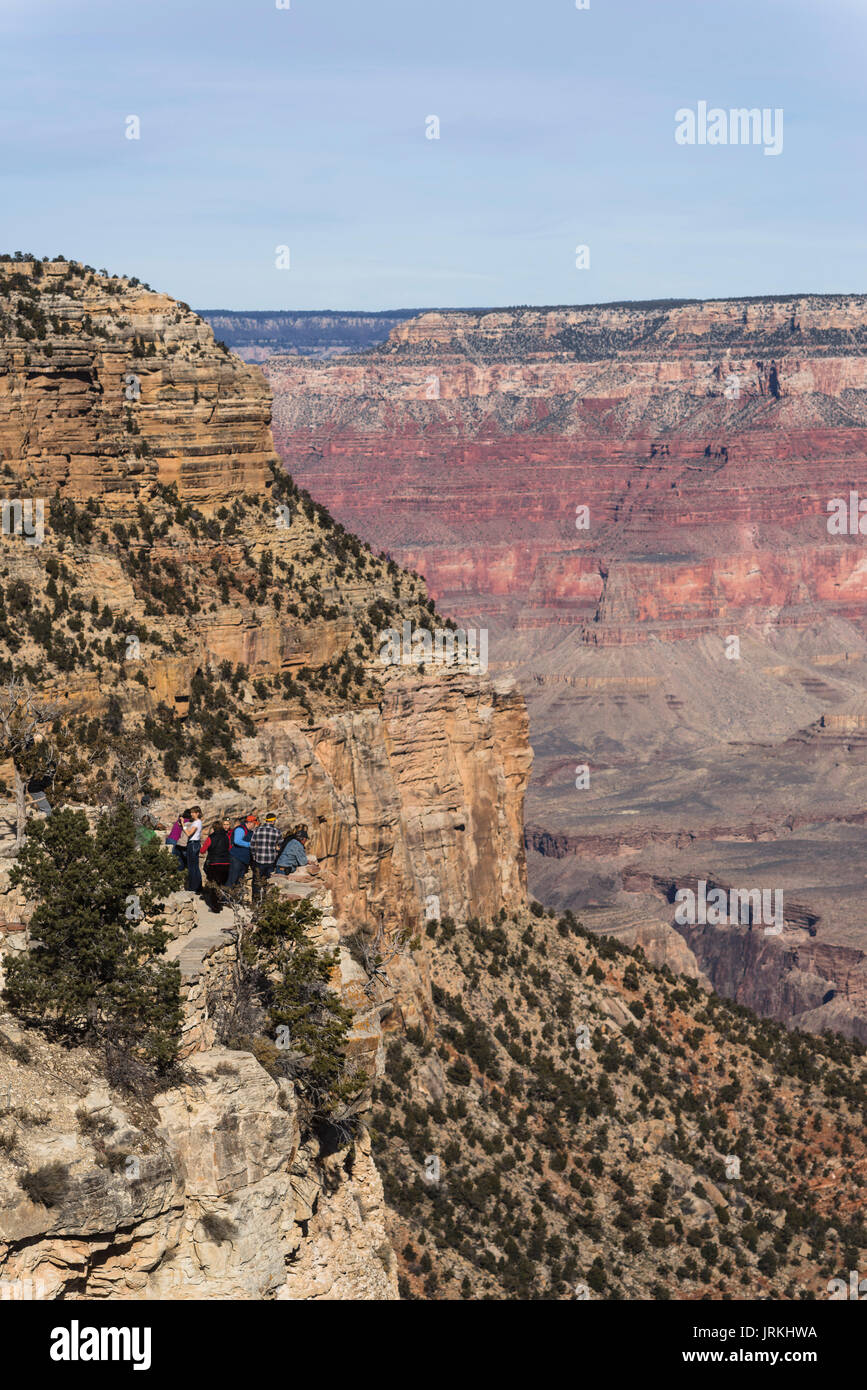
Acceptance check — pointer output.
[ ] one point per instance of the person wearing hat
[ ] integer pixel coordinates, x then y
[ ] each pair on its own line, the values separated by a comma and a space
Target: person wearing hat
292, 857
239, 850
264, 843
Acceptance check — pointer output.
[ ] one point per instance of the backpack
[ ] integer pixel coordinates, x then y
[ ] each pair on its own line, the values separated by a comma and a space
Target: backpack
218, 849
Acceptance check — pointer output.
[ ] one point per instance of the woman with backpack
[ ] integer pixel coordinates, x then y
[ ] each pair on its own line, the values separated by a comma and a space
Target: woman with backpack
216, 852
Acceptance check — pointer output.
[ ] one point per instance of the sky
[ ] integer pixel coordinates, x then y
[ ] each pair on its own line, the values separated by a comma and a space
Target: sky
307, 128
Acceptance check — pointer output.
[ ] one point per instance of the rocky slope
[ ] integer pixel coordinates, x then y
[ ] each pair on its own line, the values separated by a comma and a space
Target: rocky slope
579, 1124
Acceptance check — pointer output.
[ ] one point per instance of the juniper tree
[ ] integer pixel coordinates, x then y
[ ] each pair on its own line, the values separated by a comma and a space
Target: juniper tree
300, 1001
94, 973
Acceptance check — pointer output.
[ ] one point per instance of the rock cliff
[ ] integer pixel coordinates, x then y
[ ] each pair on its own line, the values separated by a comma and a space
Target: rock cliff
496, 427
195, 628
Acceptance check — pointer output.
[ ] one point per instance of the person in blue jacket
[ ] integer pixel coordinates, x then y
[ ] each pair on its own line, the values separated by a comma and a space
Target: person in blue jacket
239, 849
292, 856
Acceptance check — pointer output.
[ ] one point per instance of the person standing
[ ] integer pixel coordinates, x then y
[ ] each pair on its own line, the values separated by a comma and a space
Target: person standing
239, 849
194, 845
263, 851
174, 837
216, 852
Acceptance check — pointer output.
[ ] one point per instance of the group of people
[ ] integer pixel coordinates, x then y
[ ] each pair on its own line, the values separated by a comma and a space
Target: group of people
229, 850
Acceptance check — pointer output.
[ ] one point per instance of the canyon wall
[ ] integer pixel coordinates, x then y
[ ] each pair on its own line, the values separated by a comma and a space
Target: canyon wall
497, 427
257, 334
636, 500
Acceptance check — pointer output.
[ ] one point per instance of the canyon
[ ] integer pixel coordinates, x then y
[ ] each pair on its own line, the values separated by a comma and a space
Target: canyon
637, 501
191, 625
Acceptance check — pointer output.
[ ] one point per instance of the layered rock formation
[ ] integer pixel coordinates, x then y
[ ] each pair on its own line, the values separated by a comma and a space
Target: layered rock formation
497, 427
209, 1193
639, 500
257, 335
110, 349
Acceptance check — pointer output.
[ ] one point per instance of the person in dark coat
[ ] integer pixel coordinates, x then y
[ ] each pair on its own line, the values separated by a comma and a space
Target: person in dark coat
216, 852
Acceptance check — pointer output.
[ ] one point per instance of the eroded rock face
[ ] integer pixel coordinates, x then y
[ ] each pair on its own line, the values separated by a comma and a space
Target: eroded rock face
413, 789
203, 416
610, 408
208, 1195
620, 491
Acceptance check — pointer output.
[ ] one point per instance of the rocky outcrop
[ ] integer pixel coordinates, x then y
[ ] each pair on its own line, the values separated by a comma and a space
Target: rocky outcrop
207, 1194
111, 395
125, 389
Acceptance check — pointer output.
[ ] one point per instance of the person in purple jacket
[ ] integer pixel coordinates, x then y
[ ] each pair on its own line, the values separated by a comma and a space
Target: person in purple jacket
174, 836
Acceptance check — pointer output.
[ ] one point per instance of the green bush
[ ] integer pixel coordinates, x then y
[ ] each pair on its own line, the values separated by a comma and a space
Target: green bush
298, 997
93, 974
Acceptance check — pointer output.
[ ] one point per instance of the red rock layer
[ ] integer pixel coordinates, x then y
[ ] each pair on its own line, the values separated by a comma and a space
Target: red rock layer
466, 445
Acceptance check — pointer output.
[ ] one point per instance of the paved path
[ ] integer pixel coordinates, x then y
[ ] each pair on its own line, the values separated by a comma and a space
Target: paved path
190, 950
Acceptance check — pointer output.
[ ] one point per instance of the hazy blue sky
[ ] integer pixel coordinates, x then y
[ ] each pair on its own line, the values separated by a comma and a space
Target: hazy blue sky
305, 127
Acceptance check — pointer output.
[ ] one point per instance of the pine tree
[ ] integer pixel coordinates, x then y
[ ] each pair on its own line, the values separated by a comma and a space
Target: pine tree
93, 974
301, 1000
